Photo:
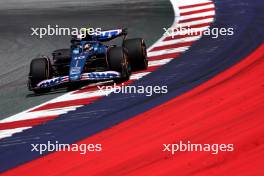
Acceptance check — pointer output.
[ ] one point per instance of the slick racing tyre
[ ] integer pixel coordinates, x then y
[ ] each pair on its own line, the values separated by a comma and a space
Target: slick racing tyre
118, 61
40, 69
137, 53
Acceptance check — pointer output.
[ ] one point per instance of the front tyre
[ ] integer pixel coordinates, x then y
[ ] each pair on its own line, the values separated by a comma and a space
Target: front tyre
40, 69
137, 53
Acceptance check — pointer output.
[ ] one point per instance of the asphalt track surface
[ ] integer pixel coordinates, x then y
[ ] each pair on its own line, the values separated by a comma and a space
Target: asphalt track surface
143, 18
207, 58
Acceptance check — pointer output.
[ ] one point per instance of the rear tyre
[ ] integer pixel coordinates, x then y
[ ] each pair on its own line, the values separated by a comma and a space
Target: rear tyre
118, 61
40, 69
137, 53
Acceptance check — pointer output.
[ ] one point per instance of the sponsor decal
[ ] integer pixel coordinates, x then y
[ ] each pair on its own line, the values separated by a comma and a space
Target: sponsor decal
85, 76
50, 82
110, 33
79, 57
75, 70
102, 75
76, 51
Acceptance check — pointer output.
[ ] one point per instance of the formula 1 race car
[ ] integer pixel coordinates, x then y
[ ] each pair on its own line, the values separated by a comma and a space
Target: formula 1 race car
88, 59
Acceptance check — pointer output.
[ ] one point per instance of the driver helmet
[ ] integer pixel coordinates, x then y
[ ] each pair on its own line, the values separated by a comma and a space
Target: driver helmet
87, 47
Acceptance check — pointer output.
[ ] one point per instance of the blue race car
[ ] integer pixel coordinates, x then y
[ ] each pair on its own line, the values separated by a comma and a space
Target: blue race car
88, 60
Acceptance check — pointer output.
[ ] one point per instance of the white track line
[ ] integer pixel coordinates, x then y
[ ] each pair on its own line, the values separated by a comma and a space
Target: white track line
188, 24
10, 132
138, 75
179, 3
177, 41
197, 8
203, 14
40, 114
159, 62
168, 51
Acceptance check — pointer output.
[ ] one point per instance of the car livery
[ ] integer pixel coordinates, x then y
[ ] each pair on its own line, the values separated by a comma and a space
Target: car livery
88, 59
